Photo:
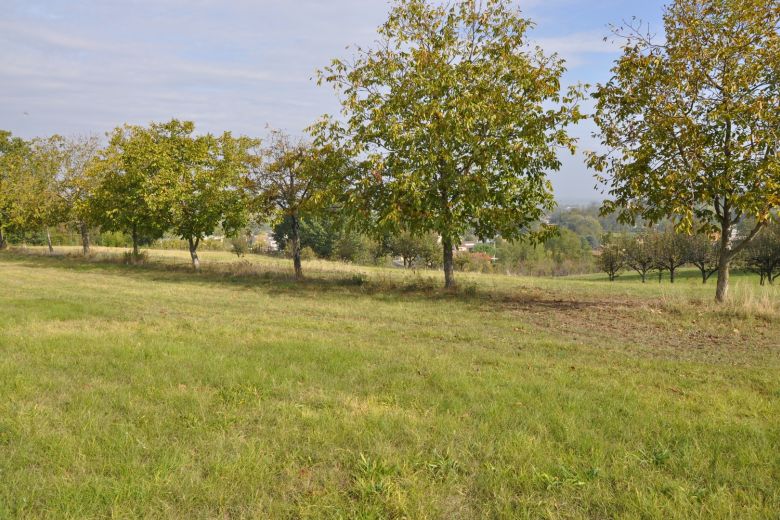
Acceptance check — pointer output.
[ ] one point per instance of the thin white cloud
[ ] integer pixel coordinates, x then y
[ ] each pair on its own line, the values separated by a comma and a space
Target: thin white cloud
575, 47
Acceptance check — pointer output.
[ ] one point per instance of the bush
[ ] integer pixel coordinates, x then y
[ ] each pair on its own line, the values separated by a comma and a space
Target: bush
239, 246
473, 262
355, 248
307, 253
113, 239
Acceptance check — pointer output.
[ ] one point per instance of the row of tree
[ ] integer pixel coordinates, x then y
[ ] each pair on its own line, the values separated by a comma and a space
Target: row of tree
667, 251
161, 178
453, 121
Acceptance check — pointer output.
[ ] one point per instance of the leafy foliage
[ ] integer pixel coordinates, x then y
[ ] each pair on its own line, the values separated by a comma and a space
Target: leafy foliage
296, 178
690, 125
457, 119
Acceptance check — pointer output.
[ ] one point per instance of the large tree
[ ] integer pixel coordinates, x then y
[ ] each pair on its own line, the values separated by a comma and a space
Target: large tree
201, 181
13, 151
690, 124
58, 183
76, 183
124, 198
459, 121
296, 178
35, 189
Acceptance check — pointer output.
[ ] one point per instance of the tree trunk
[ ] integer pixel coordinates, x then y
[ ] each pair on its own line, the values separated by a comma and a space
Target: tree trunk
449, 277
723, 278
194, 252
671, 274
3, 243
296, 247
48, 242
135, 242
644, 276
84, 229
724, 258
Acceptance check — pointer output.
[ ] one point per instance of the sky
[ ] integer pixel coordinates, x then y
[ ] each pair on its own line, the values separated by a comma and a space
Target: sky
84, 67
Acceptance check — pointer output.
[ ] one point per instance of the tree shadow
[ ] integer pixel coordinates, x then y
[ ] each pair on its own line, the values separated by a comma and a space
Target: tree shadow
278, 281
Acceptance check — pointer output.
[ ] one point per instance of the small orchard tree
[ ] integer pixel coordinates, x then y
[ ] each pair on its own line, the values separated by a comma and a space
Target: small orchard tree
703, 253
762, 255
201, 181
611, 258
295, 178
458, 120
670, 252
640, 253
124, 198
690, 125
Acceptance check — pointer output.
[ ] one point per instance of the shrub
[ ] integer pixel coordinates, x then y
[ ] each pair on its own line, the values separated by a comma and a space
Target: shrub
473, 262
239, 246
355, 248
112, 239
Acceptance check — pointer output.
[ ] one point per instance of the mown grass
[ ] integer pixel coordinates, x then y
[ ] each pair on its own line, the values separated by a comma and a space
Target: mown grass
370, 393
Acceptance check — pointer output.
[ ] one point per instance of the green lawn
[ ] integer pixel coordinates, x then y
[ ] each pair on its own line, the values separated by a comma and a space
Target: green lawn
368, 393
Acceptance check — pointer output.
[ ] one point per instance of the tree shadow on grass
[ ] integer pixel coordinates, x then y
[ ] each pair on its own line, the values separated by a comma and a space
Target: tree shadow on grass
279, 281
627, 324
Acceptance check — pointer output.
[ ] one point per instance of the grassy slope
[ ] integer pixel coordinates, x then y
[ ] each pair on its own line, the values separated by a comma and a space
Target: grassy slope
149, 392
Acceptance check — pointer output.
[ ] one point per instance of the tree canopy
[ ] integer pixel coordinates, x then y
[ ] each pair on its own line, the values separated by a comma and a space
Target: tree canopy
458, 119
295, 178
690, 124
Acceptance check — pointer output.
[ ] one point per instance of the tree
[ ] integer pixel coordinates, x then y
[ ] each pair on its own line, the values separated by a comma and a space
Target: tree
640, 253
13, 151
567, 245
703, 253
75, 181
762, 255
38, 203
690, 124
124, 194
319, 232
586, 226
670, 252
201, 181
354, 247
413, 248
612, 257
297, 178
459, 121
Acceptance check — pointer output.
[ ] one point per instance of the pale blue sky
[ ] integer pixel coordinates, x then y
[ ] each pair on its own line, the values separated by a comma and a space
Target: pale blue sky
80, 66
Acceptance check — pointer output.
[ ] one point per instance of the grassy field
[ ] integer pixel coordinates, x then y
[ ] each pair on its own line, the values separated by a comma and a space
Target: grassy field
151, 391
